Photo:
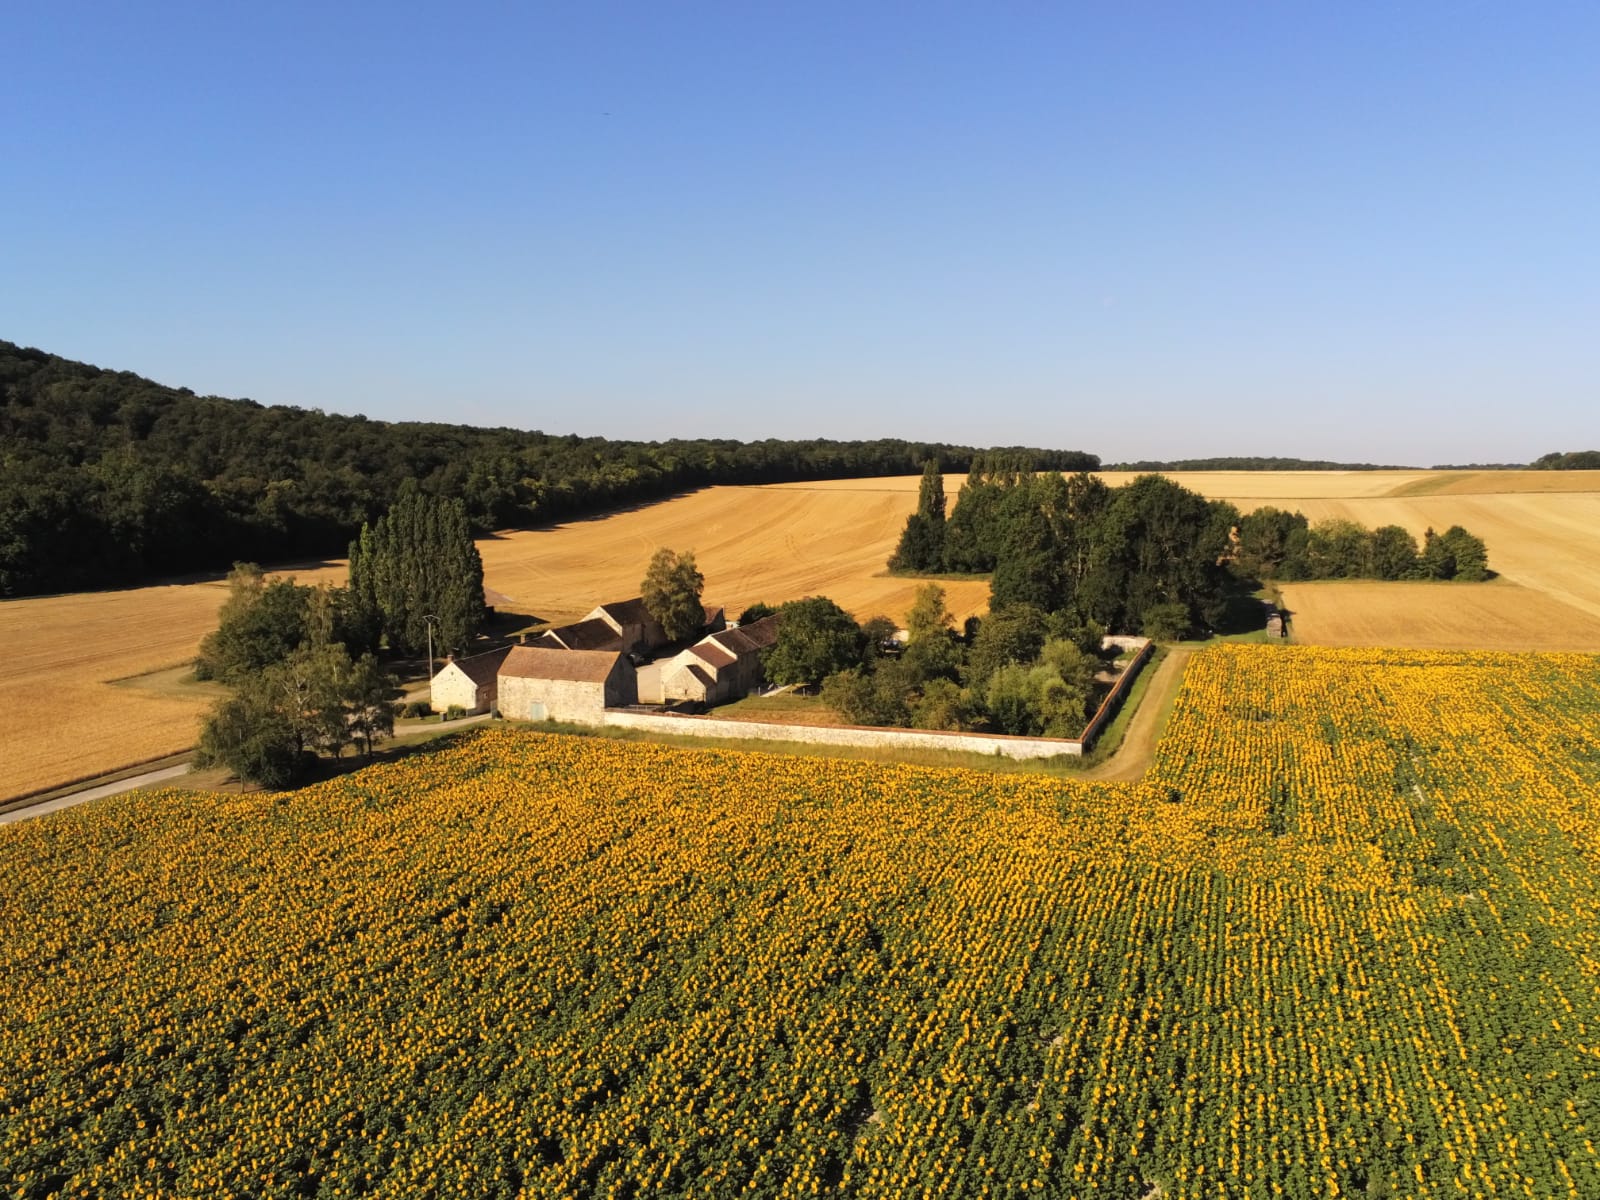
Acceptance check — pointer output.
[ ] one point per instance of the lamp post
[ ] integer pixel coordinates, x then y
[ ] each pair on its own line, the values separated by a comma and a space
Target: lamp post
432, 621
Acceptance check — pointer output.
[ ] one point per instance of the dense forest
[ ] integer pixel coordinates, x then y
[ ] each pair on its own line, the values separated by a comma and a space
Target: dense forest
107, 478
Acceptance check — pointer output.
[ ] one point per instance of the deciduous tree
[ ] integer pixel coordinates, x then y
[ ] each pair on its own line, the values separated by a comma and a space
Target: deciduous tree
816, 638
671, 591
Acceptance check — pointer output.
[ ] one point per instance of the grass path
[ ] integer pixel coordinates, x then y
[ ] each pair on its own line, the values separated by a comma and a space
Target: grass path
1132, 757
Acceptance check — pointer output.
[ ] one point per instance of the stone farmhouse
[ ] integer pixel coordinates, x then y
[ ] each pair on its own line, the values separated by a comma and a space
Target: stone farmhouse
624, 625
575, 672
537, 683
723, 666
588, 634
468, 683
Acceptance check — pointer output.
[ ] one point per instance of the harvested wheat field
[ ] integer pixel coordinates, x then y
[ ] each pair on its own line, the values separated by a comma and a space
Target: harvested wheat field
1542, 529
1436, 616
752, 543
72, 650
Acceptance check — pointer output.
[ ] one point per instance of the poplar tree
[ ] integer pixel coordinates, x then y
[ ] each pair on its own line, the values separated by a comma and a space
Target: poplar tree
921, 545
418, 561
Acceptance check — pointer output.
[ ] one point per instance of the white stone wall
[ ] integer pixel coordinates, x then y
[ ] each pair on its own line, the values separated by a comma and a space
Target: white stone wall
1102, 716
453, 686
845, 735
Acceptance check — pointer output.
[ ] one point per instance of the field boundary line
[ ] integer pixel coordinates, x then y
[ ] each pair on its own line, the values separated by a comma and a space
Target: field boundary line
83, 783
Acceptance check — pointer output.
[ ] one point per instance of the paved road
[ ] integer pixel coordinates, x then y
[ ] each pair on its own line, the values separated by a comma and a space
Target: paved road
94, 793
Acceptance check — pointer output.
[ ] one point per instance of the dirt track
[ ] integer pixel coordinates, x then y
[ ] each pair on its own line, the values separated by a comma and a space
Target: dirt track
1132, 759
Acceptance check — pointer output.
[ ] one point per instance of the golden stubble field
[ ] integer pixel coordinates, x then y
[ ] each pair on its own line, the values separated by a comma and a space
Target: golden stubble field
784, 541
72, 666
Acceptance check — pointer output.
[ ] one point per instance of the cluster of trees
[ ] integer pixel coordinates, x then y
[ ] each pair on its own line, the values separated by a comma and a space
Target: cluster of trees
297, 689
1572, 460
302, 661
1018, 671
416, 567
1073, 546
144, 480
1150, 556
1276, 545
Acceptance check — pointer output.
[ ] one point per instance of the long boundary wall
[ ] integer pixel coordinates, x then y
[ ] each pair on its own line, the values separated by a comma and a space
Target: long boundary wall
862, 735
844, 735
1108, 706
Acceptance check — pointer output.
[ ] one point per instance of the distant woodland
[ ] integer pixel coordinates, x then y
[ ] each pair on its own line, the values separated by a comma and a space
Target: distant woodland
1576, 460
1249, 463
108, 479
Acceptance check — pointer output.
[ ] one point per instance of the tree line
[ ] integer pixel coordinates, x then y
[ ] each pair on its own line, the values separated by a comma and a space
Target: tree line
142, 480
1572, 460
1149, 556
1270, 544
1249, 462
1073, 545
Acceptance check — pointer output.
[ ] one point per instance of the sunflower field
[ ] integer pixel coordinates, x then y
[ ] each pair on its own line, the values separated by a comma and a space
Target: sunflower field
1340, 941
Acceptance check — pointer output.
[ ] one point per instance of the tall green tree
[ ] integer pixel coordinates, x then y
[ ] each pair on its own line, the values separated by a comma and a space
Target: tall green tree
419, 561
1391, 553
816, 638
247, 734
1272, 544
261, 623
671, 590
1468, 553
921, 545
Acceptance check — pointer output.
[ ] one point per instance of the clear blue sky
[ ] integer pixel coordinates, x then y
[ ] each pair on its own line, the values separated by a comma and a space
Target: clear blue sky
1337, 230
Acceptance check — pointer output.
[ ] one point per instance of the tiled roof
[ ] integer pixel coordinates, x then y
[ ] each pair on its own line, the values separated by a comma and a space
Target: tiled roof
764, 632
593, 634
538, 662
482, 668
749, 639
712, 653
627, 612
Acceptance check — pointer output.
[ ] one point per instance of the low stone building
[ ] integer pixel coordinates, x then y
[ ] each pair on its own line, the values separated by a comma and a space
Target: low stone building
1275, 623
640, 632
588, 634
467, 683
537, 683
722, 667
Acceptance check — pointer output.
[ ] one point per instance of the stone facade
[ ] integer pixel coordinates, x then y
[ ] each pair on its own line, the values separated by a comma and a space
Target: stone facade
538, 684
640, 632
724, 666
467, 683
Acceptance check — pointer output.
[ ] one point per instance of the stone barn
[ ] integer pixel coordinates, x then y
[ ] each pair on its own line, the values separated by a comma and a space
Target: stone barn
640, 632
589, 634
467, 683
724, 666
542, 684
